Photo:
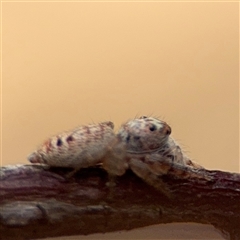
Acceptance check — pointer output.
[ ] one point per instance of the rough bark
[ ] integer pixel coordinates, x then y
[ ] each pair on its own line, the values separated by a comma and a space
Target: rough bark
38, 202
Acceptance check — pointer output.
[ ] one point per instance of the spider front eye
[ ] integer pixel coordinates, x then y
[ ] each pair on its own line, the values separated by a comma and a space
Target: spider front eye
59, 142
152, 128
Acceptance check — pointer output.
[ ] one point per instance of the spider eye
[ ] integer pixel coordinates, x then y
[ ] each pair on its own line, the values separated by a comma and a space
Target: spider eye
168, 130
152, 128
136, 138
59, 142
69, 139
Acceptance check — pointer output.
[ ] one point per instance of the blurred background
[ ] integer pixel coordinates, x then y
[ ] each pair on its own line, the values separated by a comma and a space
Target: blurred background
70, 63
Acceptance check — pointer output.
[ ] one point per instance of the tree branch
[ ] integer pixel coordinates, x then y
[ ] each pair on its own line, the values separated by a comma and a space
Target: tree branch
38, 202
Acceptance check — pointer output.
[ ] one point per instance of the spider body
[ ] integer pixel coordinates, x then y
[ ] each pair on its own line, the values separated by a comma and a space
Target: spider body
143, 144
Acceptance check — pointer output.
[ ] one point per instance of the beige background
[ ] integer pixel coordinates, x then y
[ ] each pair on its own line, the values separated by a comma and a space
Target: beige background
66, 64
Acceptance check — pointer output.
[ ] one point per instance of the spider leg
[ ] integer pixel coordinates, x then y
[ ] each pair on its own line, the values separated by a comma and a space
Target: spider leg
142, 170
115, 161
178, 155
166, 165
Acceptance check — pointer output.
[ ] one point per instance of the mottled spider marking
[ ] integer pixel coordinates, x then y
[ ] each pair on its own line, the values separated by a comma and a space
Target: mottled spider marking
148, 135
81, 147
144, 134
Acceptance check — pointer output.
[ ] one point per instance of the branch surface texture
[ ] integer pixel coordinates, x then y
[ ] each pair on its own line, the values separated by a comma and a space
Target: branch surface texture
39, 202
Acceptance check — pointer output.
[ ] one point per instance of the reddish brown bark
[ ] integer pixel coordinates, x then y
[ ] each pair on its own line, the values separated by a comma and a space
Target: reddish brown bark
37, 202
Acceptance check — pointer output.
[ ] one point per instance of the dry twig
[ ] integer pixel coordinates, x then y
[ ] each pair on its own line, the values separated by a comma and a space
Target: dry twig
38, 202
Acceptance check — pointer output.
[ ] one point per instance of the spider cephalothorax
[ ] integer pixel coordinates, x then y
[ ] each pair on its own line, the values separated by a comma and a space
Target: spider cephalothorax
144, 134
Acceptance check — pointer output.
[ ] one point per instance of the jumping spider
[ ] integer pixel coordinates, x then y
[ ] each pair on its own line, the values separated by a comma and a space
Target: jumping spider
143, 144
